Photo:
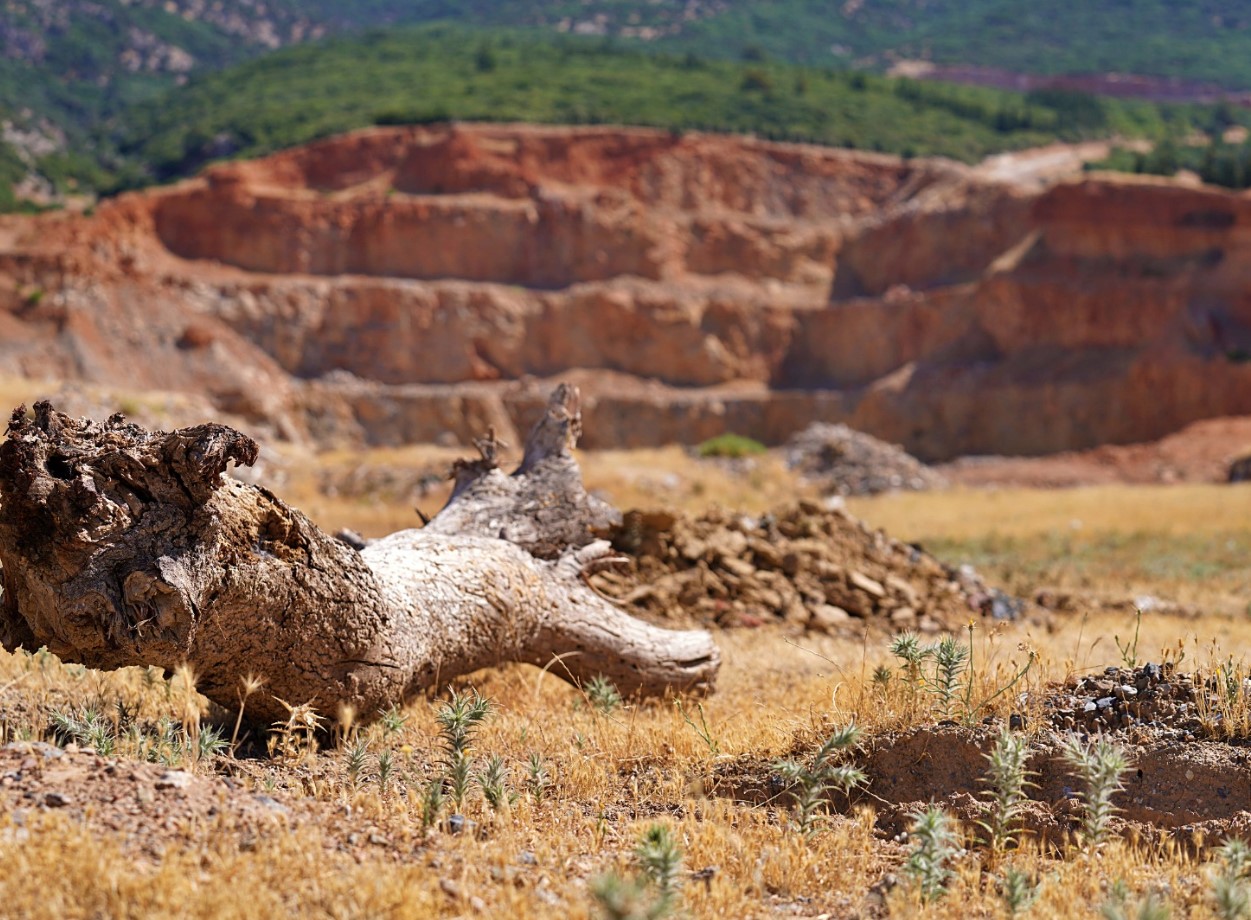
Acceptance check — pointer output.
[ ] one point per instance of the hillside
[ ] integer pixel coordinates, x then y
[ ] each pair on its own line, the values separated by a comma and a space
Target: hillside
436, 73
72, 73
1203, 40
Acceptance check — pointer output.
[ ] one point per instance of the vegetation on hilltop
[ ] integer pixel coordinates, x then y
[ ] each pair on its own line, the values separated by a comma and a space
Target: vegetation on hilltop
1190, 39
92, 75
1216, 161
441, 72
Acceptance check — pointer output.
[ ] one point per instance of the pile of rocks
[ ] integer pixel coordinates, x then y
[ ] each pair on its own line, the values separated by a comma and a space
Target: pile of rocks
814, 567
1154, 697
849, 462
1240, 469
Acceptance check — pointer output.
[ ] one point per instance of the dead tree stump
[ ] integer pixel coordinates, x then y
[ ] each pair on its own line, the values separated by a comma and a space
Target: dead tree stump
123, 547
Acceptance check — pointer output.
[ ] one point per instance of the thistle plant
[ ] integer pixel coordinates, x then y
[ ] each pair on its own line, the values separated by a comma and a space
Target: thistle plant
386, 769
432, 803
660, 859
1118, 906
945, 670
812, 784
393, 720
653, 892
951, 660
1227, 877
602, 694
1018, 891
1100, 765
459, 720
882, 675
493, 781
88, 728
908, 649
936, 844
212, 741
539, 778
355, 760
297, 736
617, 898
1007, 779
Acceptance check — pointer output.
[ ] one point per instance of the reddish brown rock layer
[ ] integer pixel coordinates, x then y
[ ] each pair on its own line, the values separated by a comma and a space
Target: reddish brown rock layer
399, 284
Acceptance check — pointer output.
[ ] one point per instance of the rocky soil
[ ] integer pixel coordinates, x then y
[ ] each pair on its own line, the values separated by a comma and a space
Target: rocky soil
141, 802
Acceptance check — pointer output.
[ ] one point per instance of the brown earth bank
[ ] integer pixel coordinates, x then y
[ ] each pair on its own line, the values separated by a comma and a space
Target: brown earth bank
402, 285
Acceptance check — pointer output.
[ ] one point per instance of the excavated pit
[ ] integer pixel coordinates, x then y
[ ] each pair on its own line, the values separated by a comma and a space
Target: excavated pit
1189, 777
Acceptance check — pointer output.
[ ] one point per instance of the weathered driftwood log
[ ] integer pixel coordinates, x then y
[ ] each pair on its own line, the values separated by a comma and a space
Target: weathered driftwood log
127, 547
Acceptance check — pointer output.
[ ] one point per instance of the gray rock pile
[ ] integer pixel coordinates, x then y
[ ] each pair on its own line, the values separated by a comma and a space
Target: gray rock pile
849, 462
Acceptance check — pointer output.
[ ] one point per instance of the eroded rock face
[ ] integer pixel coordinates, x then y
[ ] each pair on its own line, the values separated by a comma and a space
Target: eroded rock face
404, 284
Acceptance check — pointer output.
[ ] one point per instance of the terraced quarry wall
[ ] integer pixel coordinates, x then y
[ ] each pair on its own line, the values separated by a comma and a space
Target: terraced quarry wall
404, 284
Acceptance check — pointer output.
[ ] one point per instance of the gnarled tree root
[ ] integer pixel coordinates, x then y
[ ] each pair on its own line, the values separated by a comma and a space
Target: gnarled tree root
127, 547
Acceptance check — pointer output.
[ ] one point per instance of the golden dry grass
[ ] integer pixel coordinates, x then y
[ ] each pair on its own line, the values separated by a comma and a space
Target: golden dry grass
612, 775
1186, 543
615, 774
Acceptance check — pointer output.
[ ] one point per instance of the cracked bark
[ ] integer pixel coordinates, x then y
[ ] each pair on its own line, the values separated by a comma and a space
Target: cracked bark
122, 547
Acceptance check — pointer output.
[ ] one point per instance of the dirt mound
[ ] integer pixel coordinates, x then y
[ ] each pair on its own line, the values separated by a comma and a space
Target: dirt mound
1171, 788
848, 462
817, 568
1189, 792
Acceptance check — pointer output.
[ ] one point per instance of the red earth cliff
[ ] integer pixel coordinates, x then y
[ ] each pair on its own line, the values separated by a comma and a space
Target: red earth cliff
403, 284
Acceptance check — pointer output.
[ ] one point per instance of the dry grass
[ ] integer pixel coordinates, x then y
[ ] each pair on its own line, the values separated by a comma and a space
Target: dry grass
355, 849
612, 775
1186, 543
670, 477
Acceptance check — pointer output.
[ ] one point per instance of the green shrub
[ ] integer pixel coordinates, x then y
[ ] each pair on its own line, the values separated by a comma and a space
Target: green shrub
731, 445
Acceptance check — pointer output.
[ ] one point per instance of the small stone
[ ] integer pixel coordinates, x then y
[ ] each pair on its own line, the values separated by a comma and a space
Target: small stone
56, 800
1105, 702
173, 779
736, 566
867, 584
271, 803
547, 896
828, 618
49, 751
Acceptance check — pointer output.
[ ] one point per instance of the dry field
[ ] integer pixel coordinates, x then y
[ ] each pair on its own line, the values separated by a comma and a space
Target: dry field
124, 794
